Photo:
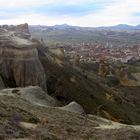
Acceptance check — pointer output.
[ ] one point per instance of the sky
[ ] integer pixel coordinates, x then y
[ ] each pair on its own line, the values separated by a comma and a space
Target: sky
87, 13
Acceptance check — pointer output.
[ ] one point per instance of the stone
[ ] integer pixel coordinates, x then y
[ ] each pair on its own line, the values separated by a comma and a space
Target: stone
74, 107
33, 94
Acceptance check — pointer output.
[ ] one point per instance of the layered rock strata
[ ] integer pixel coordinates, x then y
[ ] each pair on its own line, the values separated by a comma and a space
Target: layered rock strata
19, 61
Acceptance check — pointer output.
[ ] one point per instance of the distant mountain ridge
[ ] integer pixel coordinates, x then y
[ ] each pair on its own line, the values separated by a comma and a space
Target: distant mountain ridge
122, 26
119, 35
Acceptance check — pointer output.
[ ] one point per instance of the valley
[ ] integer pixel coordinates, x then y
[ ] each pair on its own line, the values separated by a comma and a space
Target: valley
68, 90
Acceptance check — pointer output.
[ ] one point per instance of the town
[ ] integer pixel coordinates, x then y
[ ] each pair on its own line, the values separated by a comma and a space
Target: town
99, 52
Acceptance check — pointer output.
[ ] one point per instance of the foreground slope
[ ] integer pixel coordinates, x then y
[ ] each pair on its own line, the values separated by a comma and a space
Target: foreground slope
23, 119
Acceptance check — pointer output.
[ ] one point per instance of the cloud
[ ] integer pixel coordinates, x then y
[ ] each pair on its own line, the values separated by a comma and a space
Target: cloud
52, 7
33, 3
23, 3
74, 12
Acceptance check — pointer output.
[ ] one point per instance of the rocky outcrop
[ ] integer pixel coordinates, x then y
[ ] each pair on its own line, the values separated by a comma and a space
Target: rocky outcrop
19, 61
21, 27
23, 120
33, 94
74, 107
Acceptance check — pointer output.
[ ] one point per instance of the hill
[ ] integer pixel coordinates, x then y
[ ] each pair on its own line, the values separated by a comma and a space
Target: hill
115, 35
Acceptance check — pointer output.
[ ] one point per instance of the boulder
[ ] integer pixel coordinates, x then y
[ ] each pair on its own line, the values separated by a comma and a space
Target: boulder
74, 107
33, 94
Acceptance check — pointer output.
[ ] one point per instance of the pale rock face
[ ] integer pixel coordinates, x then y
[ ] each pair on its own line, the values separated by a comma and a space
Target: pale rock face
19, 60
33, 94
73, 107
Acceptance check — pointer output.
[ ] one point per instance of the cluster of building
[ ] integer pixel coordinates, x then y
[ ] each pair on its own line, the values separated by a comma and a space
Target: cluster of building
97, 52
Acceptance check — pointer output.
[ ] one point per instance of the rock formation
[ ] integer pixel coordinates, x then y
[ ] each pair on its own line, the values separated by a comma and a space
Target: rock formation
105, 69
19, 61
77, 60
33, 94
74, 107
18, 28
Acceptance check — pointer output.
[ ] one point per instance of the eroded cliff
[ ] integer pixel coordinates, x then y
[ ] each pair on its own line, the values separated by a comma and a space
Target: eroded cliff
19, 61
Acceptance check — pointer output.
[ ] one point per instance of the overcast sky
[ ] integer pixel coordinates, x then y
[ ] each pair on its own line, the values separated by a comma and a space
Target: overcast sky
74, 12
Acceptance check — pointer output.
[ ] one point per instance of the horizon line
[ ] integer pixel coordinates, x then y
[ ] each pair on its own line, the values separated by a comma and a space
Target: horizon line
121, 24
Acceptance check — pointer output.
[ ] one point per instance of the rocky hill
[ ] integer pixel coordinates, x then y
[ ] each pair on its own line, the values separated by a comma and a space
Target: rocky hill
21, 118
70, 94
